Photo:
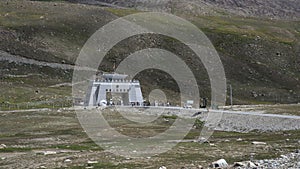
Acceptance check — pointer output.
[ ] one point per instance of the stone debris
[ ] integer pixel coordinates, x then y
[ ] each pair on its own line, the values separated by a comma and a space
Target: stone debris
68, 160
247, 164
2, 146
288, 161
239, 139
211, 144
162, 167
259, 143
49, 152
219, 164
92, 162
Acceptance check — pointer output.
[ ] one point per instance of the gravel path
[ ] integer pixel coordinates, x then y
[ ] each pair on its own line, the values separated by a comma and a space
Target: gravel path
238, 121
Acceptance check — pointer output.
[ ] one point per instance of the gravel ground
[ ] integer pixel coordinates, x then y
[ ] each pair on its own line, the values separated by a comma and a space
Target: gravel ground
288, 161
234, 120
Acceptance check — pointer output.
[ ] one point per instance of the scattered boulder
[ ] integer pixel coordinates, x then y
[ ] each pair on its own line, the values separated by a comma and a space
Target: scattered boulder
2, 146
202, 140
247, 164
259, 143
283, 156
68, 160
211, 144
219, 164
49, 152
239, 139
162, 167
92, 162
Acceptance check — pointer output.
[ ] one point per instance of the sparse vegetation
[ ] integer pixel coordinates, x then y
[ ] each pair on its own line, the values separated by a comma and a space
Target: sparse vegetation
58, 131
260, 57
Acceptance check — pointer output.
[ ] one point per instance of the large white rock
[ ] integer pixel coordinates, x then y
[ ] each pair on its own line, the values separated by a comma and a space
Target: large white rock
2, 146
219, 164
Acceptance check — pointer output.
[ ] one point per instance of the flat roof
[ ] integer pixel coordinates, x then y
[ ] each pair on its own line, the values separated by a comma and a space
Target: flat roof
114, 76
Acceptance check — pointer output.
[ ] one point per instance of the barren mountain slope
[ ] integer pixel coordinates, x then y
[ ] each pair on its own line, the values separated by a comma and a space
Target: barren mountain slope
278, 9
260, 56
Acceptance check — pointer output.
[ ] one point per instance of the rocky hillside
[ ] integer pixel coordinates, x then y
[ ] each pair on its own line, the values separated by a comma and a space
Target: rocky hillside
275, 9
284, 9
261, 56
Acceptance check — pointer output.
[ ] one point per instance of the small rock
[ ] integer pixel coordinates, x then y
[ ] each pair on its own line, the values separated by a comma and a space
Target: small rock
68, 160
202, 140
49, 152
239, 139
259, 143
92, 162
162, 167
239, 164
283, 156
251, 164
43, 167
2, 146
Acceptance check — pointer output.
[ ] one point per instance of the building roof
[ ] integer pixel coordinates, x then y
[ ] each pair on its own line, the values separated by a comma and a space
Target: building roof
114, 76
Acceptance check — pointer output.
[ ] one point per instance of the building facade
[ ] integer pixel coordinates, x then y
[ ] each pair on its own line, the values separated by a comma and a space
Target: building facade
114, 89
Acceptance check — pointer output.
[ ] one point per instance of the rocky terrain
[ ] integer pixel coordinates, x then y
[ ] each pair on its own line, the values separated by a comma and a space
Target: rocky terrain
264, 51
291, 160
53, 138
275, 9
258, 43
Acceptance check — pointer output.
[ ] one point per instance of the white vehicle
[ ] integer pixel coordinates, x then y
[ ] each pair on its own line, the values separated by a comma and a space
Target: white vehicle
188, 104
103, 103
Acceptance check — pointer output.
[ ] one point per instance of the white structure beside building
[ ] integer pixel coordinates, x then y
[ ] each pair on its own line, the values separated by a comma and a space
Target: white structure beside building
114, 89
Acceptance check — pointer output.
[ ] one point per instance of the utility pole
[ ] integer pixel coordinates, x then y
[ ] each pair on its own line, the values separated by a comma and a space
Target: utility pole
230, 95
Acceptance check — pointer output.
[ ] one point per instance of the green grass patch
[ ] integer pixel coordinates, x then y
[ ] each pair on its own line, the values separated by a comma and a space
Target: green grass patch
87, 146
15, 149
173, 117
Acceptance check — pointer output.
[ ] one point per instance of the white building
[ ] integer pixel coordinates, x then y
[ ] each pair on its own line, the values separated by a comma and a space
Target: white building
113, 88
